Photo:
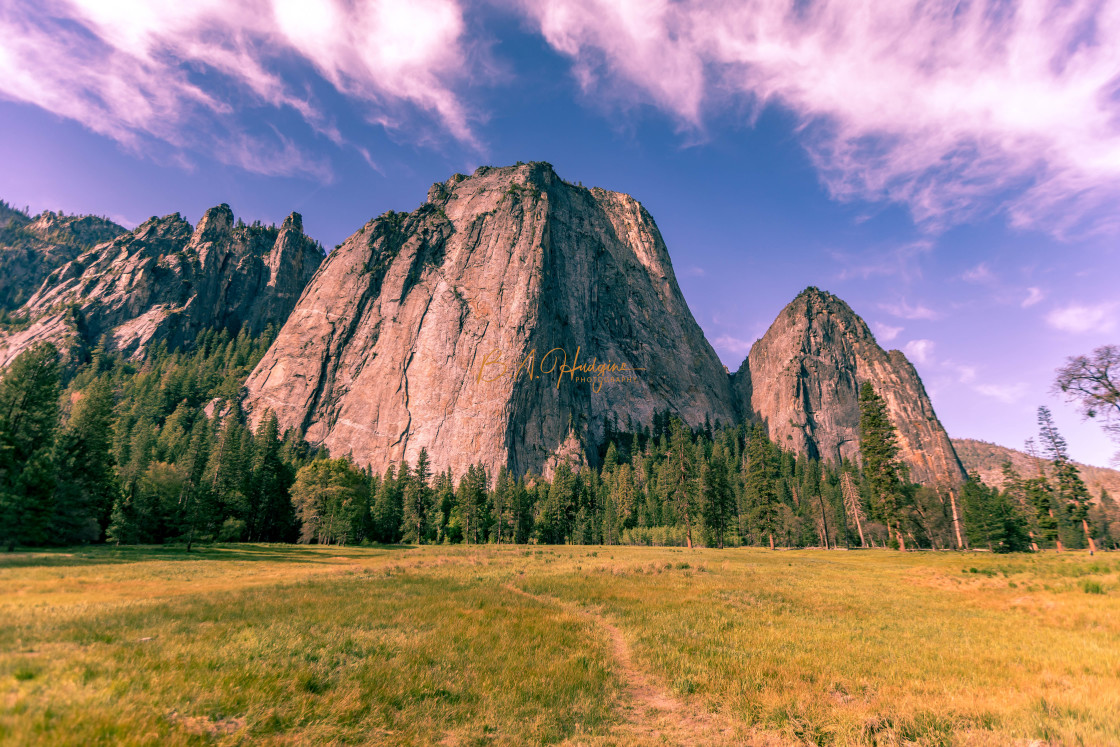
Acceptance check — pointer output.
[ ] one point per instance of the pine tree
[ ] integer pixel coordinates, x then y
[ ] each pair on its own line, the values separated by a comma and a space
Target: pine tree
443, 500
29, 392
122, 528
879, 451
87, 481
717, 501
500, 503
197, 507
273, 516
1071, 488
760, 483
388, 506
682, 475
417, 496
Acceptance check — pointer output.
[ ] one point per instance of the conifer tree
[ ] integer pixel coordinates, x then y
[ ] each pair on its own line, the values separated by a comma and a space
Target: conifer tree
273, 517
388, 506
1071, 488
87, 480
29, 391
760, 485
682, 472
879, 451
416, 498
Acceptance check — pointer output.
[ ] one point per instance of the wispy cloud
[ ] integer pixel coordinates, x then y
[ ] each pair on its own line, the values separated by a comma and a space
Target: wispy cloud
885, 332
904, 310
1079, 318
694, 272
920, 351
1008, 393
143, 71
965, 374
901, 261
953, 109
1034, 295
732, 345
978, 274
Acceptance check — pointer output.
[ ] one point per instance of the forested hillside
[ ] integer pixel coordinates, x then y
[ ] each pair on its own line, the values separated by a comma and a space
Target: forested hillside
987, 459
158, 451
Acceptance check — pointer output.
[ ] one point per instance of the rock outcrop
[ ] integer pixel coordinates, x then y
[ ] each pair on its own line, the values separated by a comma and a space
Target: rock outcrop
167, 281
802, 381
466, 328
31, 248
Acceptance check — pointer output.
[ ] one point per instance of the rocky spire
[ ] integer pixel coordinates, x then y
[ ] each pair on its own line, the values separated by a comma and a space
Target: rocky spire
802, 381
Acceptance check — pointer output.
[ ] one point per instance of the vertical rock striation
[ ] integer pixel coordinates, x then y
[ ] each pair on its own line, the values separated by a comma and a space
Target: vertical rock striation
434, 329
802, 381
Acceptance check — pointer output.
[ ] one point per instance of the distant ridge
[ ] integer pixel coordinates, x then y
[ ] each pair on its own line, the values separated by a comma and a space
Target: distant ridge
987, 460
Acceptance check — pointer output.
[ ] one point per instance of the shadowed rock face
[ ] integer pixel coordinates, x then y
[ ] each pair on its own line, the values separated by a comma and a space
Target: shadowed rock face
802, 381
167, 282
30, 248
411, 332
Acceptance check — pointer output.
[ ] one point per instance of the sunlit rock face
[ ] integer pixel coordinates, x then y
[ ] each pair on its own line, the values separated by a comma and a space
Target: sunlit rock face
166, 282
802, 381
456, 328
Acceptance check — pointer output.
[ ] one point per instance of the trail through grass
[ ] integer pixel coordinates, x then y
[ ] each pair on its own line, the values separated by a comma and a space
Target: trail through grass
576, 645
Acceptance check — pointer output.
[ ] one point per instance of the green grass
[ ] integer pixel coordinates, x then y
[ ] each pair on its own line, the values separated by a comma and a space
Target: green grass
286, 645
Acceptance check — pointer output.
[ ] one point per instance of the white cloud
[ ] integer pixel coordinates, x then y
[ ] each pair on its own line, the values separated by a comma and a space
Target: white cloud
885, 332
978, 274
920, 351
965, 374
1034, 295
950, 108
1008, 393
132, 69
732, 345
694, 272
903, 310
1078, 318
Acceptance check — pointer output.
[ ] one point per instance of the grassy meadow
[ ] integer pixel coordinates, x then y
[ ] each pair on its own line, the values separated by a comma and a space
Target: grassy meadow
270, 644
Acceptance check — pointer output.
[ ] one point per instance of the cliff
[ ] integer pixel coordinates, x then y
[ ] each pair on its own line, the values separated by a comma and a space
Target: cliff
31, 248
802, 381
167, 281
449, 328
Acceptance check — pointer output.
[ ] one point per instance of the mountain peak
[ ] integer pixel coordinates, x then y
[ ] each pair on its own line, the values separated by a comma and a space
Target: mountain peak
802, 381
165, 281
412, 330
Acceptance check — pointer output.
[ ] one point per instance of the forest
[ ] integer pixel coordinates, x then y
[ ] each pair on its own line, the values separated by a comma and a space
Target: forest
155, 452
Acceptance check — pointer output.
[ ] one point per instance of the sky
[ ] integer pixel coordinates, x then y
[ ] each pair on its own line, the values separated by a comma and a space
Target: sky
950, 169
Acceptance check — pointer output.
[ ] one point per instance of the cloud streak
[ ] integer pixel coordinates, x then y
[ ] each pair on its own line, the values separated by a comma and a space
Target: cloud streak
1080, 318
164, 71
953, 109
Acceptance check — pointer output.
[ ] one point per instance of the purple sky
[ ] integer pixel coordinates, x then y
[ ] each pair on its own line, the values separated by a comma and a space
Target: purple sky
951, 169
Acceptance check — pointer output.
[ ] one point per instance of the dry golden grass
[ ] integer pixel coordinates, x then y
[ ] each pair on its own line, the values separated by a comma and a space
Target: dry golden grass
511, 645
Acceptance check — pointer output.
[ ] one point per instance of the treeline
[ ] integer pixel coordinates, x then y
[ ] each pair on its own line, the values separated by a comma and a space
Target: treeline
159, 452
147, 453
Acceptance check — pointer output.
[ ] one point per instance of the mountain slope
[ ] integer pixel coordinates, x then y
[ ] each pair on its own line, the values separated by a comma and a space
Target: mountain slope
167, 281
987, 460
445, 329
802, 381
31, 248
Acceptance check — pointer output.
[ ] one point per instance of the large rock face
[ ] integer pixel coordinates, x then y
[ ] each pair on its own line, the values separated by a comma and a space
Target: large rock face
446, 329
167, 282
31, 248
802, 381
